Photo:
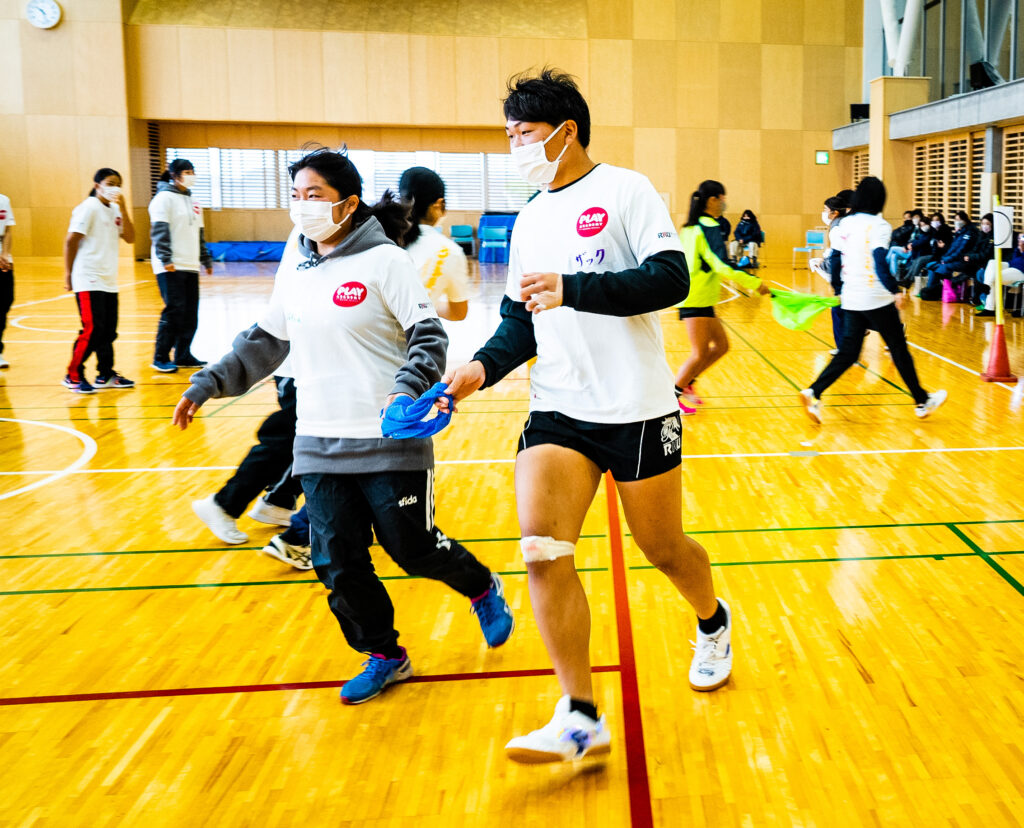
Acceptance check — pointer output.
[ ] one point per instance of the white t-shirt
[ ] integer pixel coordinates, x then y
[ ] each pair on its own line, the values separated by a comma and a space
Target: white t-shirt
442, 265
95, 266
593, 367
6, 215
184, 215
346, 321
856, 237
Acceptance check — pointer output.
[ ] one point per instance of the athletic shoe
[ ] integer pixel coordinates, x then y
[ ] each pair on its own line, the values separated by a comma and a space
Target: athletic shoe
985, 312
568, 736
81, 387
833, 352
712, 656
684, 409
377, 674
163, 366
812, 405
114, 380
218, 521
189, 362
297, 556
690, 395
494, 614
933, 402
4, 363
269, 513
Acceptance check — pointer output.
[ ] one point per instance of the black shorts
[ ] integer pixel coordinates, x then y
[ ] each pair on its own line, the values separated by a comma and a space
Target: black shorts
694, 313
632, 451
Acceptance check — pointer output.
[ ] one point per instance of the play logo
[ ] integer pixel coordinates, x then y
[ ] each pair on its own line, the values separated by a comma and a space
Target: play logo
349, 294
592, 221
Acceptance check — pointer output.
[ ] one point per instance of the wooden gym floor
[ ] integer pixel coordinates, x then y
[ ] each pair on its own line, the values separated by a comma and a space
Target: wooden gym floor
152, 676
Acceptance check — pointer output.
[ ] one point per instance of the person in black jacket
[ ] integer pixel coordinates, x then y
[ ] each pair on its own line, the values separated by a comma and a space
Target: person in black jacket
748, 237
978, 258
901, 235
956, 258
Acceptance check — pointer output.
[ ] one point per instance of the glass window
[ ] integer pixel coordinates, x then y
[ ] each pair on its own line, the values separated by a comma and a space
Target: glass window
204, 186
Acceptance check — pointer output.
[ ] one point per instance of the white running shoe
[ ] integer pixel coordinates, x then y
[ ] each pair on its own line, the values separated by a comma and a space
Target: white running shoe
568, 736
812, 405
269, 513
218, 521
712, 656
297, 556
4, 363
933, 402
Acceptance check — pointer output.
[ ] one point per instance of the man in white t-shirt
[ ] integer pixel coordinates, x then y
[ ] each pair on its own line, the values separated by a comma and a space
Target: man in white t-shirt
593, 258
440, 261
6, 269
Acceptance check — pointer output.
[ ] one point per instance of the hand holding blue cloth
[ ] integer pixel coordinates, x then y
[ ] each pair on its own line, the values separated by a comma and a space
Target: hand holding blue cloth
404, 418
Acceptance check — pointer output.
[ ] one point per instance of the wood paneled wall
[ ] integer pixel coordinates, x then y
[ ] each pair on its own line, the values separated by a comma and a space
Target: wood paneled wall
743, 91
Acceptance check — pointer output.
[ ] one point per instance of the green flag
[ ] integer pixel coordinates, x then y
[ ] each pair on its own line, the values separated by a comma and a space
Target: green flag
797, 311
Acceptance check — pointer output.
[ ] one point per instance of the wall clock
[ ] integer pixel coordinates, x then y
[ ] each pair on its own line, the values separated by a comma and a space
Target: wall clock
43, 14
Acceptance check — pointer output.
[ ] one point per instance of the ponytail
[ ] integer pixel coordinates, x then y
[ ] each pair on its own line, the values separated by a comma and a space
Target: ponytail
699, 200
176, 168
393, 215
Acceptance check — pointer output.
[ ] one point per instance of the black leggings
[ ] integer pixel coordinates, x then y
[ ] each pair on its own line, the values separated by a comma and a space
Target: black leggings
856, 324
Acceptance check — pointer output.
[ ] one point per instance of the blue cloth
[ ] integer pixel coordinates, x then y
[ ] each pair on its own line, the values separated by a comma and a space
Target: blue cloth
405, 416
255, 251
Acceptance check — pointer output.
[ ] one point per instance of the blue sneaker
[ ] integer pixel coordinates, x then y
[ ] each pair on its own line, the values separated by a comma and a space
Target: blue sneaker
494, 614
377, 674
164, 367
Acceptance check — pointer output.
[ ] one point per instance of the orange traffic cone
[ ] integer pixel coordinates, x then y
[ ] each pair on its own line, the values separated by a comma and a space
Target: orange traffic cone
998, 361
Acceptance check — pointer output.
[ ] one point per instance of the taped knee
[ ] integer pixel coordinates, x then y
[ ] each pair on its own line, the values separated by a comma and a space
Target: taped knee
536, 548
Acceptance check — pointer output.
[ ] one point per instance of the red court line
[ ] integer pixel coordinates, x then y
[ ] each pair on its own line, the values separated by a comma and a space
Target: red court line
264, 688
636, 755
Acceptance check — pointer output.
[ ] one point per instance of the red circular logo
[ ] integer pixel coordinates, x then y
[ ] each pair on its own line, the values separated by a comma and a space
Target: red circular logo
349, 294
592, 221
196, 207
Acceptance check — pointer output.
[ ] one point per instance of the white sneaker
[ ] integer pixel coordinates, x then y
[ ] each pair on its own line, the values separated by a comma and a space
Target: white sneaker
568, 736
712, 656
812, 405
218, 521
933, 402
297, 556
4, 363
269, 513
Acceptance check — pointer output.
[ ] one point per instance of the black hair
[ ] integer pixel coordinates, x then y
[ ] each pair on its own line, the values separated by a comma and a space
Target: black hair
101, 174
340, 173
836, 204
989, 217
551, 98
420, 187
917, 212
750, 213
176, 168
869, 197
699, 200
960, 214
942, 218
846, 196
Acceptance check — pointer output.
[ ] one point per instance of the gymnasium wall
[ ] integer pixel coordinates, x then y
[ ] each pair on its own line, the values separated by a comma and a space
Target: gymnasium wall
740, 90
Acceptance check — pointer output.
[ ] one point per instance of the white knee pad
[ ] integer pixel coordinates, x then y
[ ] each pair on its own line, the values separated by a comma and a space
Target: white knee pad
536, 548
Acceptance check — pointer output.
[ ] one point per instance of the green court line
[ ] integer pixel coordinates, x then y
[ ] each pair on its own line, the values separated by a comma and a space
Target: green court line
1006, 576
864, 365
773, 366
852, 526
235, 399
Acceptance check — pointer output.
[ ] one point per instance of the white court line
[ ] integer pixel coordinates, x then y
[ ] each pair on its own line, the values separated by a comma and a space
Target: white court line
88, 452
68, 295
958, 365
504, 460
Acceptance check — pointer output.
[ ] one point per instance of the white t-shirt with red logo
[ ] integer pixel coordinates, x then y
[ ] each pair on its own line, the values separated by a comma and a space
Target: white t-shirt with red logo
442, 265
346, 321
95, 266
184, 216
857, 236
593, 367
6, 216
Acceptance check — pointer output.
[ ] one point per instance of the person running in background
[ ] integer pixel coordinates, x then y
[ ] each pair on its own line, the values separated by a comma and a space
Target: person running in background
179, 249
90, 270
6, 269
870, 299
833, 210
361, 332
441, 262
708, 342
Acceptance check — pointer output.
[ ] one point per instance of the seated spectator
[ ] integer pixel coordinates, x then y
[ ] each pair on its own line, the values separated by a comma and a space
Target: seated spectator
922, 250
901, 235
749, 237
955, 260
980, 255
1012, 272
898, 256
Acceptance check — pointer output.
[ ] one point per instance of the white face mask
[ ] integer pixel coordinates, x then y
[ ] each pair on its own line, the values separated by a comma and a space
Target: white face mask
824, 217
315, 219
109, 193
533, 164
187, 180
958, 224
986, 228
936, 224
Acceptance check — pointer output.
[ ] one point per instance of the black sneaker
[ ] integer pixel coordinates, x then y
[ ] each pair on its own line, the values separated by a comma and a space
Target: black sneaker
81, 387
113, 380
985, 312
189, 362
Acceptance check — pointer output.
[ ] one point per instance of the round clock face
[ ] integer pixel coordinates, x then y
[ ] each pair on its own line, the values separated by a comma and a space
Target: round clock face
43, 14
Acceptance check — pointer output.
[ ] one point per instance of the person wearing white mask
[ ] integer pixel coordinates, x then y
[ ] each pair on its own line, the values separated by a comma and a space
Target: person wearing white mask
179, 249
593, 259
90, 270
358, 326
6, 269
